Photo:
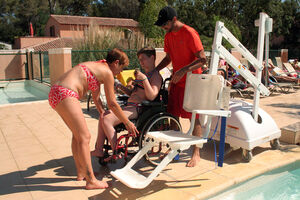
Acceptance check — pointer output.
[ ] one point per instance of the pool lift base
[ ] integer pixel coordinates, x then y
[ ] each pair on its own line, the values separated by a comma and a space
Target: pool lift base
242, 131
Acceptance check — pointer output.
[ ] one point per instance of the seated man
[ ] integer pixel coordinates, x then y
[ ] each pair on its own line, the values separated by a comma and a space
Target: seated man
146, 87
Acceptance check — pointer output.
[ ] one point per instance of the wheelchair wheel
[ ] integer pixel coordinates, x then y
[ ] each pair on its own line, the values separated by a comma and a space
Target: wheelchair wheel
159, 122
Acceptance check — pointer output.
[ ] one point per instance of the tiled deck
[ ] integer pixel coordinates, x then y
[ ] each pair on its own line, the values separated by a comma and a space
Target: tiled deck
36, 161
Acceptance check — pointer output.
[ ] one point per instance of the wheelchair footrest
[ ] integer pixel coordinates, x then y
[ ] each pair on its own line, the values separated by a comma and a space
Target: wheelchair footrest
176, 139
130, 177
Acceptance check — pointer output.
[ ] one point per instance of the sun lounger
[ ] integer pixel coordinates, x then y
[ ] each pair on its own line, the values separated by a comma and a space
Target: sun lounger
276, 71
278, 83
279, 62
283, 87
291, 69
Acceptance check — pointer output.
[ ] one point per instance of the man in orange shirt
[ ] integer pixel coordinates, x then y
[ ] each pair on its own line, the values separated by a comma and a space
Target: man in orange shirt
184, 49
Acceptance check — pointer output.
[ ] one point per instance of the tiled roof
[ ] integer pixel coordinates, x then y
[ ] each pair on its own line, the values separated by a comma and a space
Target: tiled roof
104, 21
57, 43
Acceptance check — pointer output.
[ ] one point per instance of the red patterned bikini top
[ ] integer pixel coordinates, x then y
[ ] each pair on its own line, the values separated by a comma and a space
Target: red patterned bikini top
93, 83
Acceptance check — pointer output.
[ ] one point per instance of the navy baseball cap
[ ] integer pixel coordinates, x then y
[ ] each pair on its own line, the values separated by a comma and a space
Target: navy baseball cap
165, 14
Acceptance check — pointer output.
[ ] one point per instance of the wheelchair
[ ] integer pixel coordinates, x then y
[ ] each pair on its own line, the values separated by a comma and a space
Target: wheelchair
152, 116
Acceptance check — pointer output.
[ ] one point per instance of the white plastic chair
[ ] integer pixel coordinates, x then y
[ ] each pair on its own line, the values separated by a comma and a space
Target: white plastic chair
202, 95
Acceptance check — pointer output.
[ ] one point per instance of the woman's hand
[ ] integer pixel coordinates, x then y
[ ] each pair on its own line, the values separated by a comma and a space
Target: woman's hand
131, 128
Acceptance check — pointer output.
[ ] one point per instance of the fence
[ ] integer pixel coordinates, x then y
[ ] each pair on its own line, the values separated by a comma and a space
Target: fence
17, 64
40, 66
292, 54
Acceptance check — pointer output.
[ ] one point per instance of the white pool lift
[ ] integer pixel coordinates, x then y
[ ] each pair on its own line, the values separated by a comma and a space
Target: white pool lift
249, 126
205, 94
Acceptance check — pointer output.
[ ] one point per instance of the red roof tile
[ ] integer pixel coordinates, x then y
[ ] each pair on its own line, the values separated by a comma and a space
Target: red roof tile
57, 43
104, 21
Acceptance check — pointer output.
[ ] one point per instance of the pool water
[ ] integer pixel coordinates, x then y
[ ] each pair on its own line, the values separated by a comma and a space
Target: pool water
22, 91
282, 183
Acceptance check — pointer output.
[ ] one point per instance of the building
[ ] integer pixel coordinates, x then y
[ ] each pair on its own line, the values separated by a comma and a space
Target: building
74, 26
60, 31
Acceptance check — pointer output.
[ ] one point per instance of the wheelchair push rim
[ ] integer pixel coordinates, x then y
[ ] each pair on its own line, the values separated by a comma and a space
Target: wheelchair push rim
159, 122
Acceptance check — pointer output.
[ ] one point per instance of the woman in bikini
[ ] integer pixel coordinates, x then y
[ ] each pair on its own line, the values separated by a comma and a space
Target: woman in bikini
146, 87
64, 99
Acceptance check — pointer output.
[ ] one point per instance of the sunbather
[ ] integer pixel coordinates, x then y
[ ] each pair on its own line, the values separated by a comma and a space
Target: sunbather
291, 70
296, 64
146, 87
281, 76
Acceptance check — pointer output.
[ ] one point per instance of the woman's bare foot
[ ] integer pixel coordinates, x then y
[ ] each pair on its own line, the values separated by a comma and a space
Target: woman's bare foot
96, 153
80, 177
96, 185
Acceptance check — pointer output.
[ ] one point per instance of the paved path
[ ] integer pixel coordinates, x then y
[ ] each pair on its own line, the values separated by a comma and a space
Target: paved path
36, 162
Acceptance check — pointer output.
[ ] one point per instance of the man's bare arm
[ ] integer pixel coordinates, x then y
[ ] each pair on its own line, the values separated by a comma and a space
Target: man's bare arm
165, 61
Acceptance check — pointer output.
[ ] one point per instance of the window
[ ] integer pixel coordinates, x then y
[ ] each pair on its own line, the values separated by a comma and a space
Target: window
52, 31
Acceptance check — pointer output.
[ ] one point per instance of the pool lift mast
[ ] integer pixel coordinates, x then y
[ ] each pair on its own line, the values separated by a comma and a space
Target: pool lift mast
248, 126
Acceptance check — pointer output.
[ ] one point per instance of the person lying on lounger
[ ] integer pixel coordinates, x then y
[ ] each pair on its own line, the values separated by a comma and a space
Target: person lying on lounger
280, 75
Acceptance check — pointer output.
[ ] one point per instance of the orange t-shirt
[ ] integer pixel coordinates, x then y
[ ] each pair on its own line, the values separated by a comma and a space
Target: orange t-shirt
182, 46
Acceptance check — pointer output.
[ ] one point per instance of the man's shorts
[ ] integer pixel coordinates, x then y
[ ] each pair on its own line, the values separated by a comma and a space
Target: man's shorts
175, 102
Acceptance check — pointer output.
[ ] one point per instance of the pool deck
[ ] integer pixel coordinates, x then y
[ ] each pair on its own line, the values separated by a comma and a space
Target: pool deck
36, 161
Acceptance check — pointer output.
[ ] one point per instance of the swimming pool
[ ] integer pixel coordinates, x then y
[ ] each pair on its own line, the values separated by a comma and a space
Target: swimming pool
282, 183
22, 91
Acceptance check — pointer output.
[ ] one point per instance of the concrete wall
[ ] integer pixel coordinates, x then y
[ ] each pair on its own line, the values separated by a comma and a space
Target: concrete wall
12, 66
60, 61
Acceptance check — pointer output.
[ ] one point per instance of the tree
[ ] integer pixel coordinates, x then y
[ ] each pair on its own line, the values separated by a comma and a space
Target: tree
193, 13
291, 22
34, 11
117, 8
148, 17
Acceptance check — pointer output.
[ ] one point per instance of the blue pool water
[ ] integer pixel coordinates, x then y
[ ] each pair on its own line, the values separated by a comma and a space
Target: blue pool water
22, 91
280, 184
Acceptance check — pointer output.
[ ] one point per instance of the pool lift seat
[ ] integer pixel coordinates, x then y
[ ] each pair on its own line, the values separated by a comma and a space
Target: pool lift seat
203, 95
